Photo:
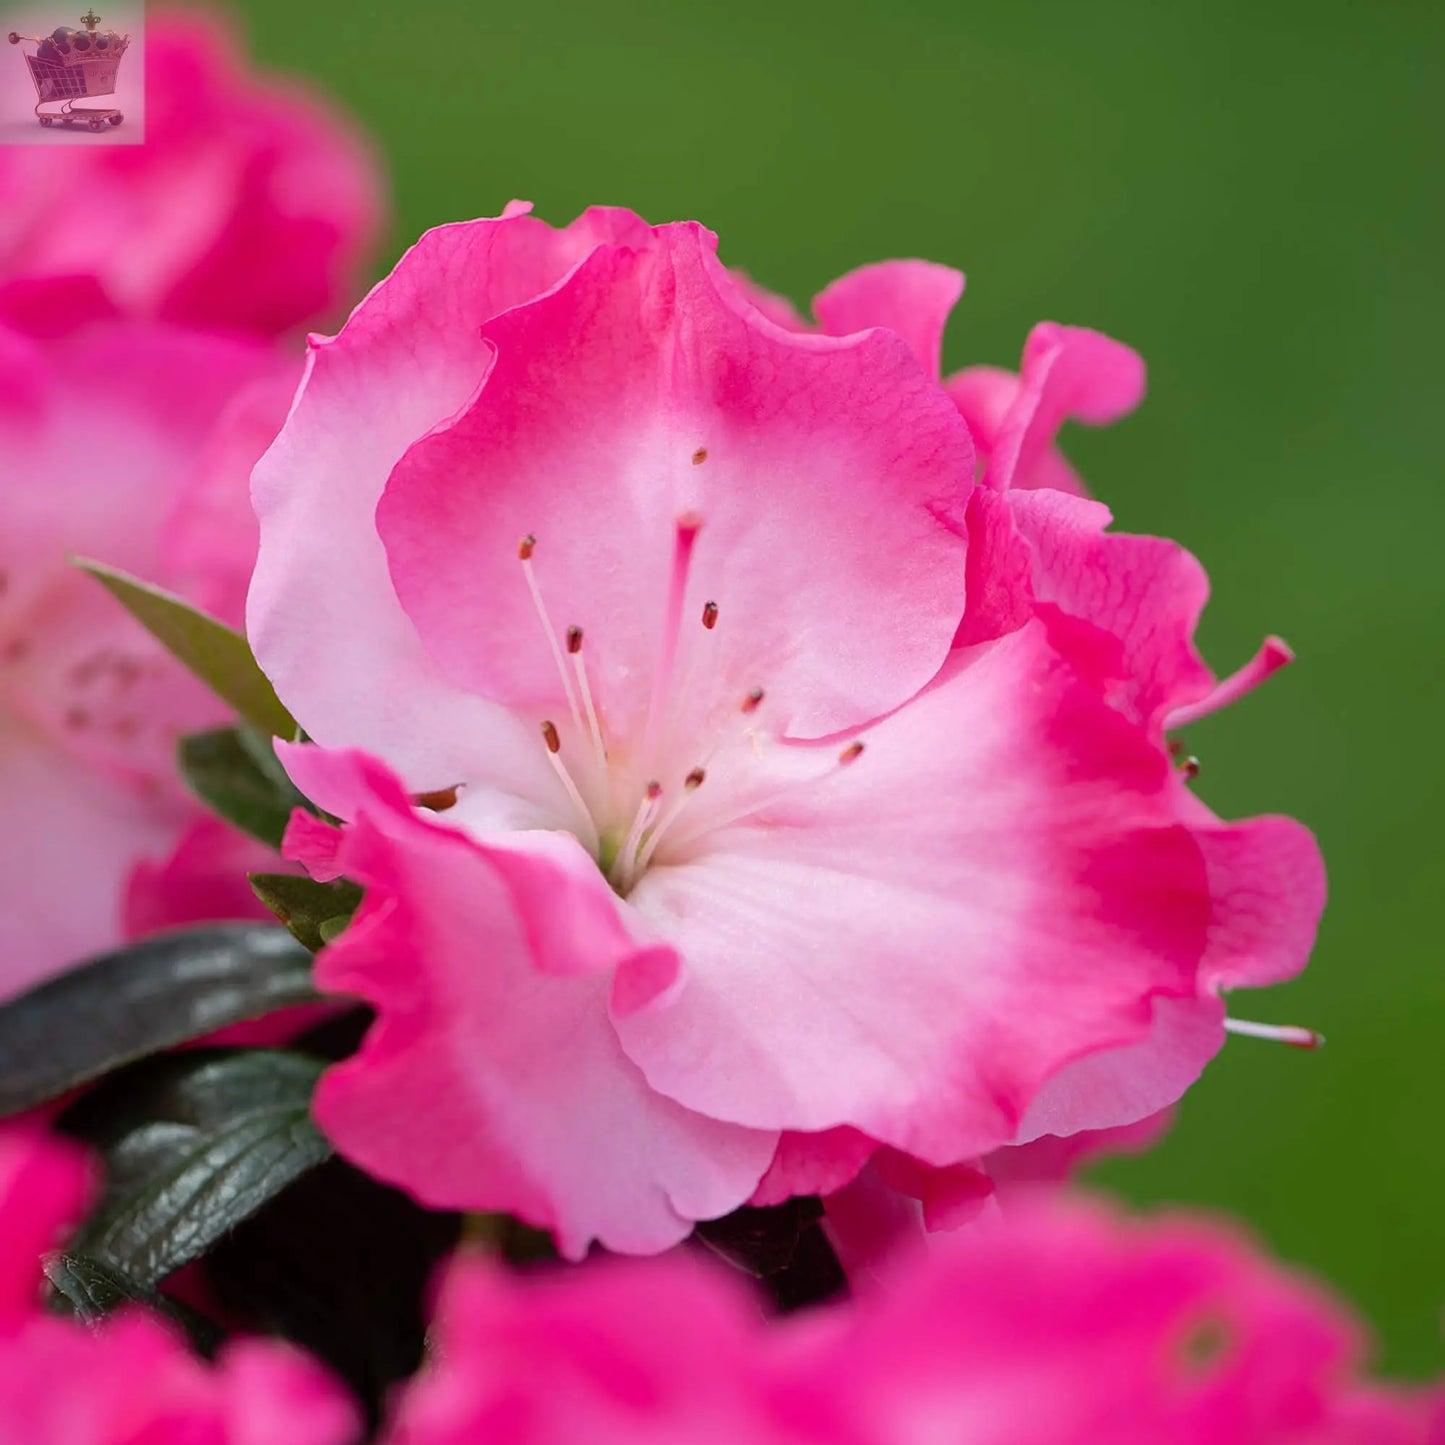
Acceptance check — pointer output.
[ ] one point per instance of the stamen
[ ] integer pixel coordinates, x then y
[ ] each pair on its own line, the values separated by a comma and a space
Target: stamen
554, 748
699, 456
1190, 767
694, 780
690, 785
1274, 653
753, 701
709, 615
579, 667
625, 868
438, 801
525, 548
850, 754
1290, 1034
689, 524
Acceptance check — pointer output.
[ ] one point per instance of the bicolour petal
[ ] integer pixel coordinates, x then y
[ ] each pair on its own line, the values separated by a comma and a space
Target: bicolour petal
828, 477
913, 298
489, 1081
916, 942
323, 617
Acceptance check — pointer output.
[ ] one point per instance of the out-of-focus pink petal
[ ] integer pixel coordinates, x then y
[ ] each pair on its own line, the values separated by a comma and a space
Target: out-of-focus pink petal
235, 172
1004, 837
813, 1164
913, 298
45, 1186
642, 392
273, 1395
478, 1039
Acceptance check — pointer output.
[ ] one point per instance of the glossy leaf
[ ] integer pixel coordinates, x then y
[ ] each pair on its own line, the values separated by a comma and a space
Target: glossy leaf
143, 998
191, 1145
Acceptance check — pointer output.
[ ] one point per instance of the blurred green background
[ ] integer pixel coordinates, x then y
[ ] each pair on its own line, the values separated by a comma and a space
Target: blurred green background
1250, 194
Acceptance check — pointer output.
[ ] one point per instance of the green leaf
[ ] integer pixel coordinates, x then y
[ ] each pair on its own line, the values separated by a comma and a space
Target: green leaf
87, 1290
217, 654
314, 912
235, 773
141, 999
191, 1145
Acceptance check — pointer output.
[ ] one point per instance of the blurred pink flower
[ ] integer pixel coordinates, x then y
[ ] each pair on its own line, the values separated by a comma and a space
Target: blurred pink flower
250, 206
753, 859
130, 1380
132, 444
1064, 1327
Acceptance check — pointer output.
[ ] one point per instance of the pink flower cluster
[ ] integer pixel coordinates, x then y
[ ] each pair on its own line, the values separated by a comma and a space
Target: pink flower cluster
758, 755
811, 787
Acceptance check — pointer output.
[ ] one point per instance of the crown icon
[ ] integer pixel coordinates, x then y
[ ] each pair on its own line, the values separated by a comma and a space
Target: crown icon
70, 64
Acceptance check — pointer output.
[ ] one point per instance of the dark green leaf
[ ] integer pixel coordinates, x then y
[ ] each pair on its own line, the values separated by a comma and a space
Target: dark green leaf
234, 772
760, 1239
141, 999
341, 1265
308, 908
192, 1144
217, 654
87, 1290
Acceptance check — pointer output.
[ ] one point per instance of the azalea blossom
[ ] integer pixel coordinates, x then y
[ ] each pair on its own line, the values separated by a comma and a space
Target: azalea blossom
742, 802
248, 207
1067, 1327
148, 473
65, 1383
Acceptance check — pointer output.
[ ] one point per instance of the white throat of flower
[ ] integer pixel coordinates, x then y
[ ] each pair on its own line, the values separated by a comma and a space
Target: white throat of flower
624, 816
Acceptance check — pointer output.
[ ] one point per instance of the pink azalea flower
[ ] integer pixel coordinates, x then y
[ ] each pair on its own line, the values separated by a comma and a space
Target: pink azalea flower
1067, 1327
757, 858
144, 470
248, 207
131, 1380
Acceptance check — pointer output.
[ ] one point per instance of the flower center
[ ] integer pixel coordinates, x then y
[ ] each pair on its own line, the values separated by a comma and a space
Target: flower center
628, 802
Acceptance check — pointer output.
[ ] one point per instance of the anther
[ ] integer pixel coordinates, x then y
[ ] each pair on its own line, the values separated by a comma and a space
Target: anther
699, 456
439, 800
850, 754
1190, 767
574, 640
694, 780
709, 615
549, 736
753, 701
525, 547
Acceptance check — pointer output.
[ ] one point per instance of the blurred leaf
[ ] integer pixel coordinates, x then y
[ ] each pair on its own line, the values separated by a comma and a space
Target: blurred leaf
87, 1290
141, 999
234, 772
217, 654
308, 908
343, 1266
192, 1145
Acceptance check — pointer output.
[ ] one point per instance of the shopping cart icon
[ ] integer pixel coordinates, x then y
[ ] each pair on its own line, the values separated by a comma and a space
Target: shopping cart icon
69, 65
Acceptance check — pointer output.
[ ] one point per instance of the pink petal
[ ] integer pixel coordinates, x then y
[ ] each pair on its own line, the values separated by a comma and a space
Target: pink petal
912, 946
913, 298
45, 1188
490, 1082
1145, 594
640, 391
984, 394
325, 622
813, 1164
1068, 372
